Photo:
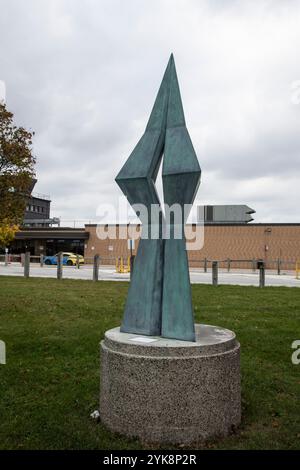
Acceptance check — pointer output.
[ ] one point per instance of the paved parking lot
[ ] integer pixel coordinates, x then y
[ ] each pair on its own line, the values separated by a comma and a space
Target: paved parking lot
243, 277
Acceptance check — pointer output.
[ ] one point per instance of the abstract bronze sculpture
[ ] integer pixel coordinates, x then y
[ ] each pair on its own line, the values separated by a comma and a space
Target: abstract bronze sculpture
159, 299
182, 385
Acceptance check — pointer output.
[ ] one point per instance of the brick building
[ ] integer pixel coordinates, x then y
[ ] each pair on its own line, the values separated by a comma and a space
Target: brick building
238, 242
241, 243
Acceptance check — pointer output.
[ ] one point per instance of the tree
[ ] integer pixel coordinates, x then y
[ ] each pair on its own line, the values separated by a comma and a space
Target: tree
7, 233
16, 174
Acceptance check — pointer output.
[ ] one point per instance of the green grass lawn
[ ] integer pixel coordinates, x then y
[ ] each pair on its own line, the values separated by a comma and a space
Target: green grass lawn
50, 384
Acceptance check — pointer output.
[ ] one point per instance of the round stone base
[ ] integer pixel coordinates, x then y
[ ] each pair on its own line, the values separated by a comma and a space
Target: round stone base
169, 391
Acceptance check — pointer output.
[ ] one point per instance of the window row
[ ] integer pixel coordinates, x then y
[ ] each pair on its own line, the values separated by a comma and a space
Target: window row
39, 209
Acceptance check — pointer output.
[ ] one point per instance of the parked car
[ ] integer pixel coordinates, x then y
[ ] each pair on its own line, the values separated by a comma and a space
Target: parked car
69, 259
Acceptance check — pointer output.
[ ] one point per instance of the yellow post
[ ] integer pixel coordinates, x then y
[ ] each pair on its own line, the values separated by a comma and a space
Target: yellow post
121, 267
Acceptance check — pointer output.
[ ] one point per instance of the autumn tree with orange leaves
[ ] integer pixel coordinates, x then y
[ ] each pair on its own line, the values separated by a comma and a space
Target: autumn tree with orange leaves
16, 174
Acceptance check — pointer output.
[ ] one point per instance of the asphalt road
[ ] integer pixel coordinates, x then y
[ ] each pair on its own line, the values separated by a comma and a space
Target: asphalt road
107, 273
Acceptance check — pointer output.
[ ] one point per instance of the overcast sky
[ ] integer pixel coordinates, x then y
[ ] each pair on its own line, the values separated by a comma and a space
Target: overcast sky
83, 74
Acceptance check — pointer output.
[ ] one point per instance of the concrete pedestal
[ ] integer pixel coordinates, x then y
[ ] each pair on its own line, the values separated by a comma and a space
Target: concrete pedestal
169, 391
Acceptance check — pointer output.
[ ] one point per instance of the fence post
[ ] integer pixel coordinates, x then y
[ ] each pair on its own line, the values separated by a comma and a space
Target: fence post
41, 260
253, 265
261, 274
77, 262
26, 264
96, 268
59, 266
131, 265
205, 265
215, 273
278, 266
228, 264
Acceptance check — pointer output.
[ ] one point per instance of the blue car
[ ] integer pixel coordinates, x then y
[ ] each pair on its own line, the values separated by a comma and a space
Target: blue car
69, 259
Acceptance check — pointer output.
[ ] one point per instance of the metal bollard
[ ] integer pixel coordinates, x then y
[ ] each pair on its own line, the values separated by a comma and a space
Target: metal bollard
77, 262
261, 267
215, 273
278, 266
205, 265
41, 260
6, 259
254, 265
22, 259
96, 268
27, 264
131, 265
228, 264
59, 266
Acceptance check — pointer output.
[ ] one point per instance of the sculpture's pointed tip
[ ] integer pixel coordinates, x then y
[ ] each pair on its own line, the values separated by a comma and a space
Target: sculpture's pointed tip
171, 65
158, 113
175, 109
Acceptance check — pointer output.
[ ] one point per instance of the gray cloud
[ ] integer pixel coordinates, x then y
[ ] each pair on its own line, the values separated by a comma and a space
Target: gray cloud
84, 76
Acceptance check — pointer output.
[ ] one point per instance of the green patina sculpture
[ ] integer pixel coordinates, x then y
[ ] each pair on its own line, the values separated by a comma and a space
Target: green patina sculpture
159, 299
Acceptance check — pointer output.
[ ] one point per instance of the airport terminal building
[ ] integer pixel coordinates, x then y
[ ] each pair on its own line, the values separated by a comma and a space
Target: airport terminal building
228, 233
238, 242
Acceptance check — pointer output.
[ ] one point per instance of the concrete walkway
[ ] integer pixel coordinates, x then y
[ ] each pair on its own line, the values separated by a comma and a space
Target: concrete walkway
107, 273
